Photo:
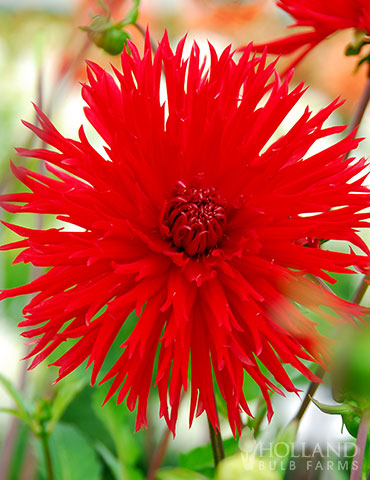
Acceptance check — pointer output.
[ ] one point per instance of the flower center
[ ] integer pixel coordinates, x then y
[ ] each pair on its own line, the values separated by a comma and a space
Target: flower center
195, 218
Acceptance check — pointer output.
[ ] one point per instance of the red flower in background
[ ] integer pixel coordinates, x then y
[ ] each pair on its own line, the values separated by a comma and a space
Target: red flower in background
324, 17
198, 221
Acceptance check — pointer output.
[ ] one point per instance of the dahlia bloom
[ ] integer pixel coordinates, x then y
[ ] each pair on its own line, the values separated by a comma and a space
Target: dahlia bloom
196, 220
324, 17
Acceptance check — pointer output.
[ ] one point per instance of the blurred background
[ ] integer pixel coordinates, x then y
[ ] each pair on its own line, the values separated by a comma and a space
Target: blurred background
42, 53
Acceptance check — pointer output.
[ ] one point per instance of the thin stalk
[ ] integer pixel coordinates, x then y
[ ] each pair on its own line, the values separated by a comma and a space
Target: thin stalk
159, 454
361, 107
143, 33
355, 122
357, 297
149, 443
358, 459
307, 398
44, 437
217, 444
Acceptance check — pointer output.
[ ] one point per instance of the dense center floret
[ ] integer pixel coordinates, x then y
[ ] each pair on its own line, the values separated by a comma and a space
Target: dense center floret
195, 218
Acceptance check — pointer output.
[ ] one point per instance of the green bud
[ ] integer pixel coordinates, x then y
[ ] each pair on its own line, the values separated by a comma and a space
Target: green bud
112, 41
43, 410
41, 416
107, 35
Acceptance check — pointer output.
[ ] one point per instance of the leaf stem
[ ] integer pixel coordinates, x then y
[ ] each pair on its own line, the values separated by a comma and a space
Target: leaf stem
44, 437
358, 459
355, 122
307, 398
217, 444
142, 30
158, 456
361, 107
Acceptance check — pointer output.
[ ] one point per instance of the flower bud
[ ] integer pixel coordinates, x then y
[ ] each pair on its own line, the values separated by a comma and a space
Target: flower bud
107, 35
111, 41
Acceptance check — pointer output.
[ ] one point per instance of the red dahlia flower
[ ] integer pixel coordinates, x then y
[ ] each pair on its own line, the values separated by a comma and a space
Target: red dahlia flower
198, 222
325, 17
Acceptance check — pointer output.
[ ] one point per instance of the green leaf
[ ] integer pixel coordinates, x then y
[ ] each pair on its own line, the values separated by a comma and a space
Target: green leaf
118, 471
250, 388
24, 410
220, 404
201, 458
19, 453
132, 15
178, 474
81, 414
72, 455
116, 419
16, 413
341, 409
66, 393
110, 460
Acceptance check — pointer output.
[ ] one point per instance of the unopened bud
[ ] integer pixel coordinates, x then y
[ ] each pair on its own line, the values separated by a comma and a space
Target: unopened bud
111, 41
107, 35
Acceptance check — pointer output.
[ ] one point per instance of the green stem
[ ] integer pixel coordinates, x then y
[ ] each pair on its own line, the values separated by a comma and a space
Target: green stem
142, 30
358, 459
44, 437
217, 444
307, 398
355, 122
159, 454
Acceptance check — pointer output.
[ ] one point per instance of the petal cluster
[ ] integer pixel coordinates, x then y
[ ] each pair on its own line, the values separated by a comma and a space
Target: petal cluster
324, 18
200, 219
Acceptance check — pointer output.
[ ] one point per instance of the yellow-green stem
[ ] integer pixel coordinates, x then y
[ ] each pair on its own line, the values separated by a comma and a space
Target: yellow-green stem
44, 437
